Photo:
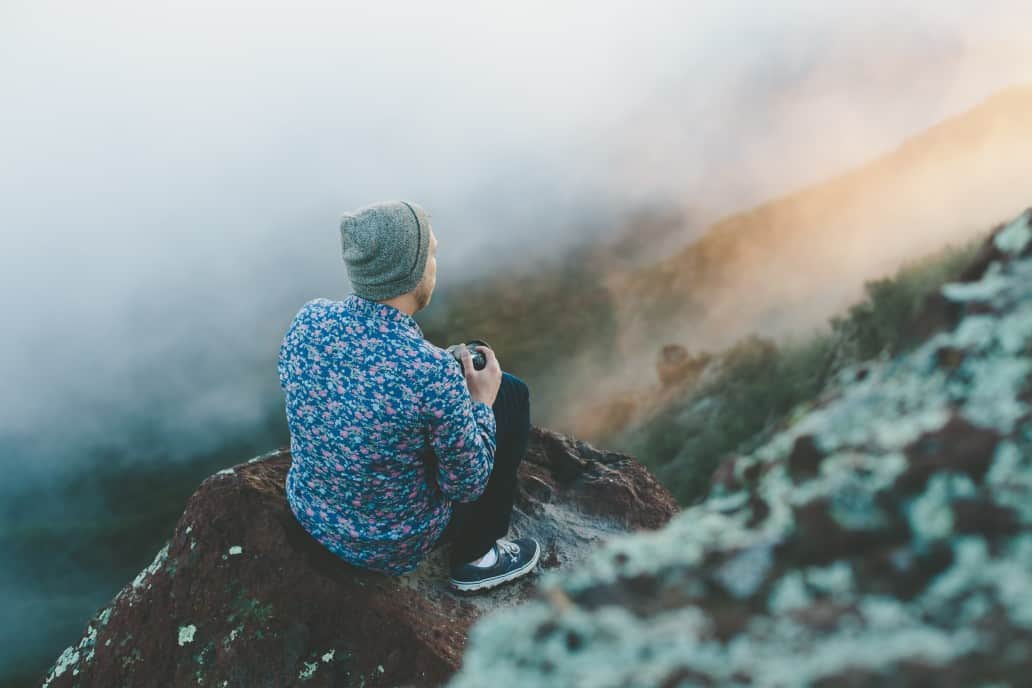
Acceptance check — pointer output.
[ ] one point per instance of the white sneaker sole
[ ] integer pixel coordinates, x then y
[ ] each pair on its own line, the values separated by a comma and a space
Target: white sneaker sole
496, 580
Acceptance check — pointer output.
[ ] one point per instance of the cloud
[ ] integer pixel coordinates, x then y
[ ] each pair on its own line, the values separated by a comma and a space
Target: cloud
173, 173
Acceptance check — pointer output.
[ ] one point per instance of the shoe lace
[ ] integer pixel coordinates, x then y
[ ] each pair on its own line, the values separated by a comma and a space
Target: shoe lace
510, 547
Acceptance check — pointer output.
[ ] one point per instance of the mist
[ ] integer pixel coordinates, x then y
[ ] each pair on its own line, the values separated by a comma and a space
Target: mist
172, 177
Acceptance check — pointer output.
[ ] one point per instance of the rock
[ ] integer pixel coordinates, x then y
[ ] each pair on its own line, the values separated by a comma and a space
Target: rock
884, 538
242, 596
676, 366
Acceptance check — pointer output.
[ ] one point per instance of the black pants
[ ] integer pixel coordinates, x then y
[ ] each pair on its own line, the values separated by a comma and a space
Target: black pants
474, 526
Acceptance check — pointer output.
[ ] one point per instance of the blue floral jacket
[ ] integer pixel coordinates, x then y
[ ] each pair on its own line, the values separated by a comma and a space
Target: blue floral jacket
383, 432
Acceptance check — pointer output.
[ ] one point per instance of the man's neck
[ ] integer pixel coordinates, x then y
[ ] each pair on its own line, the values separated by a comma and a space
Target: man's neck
406, 303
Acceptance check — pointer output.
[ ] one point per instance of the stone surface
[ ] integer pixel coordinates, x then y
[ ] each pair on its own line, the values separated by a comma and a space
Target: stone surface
882, 538
242, 596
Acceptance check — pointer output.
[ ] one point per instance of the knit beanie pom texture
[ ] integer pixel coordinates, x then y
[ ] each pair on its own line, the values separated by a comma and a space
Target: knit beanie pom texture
385, 247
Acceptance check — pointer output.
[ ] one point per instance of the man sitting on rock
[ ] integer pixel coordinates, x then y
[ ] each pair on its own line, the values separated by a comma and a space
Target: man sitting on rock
396, 447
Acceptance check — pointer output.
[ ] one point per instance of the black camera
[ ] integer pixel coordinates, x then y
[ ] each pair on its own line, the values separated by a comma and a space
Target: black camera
479, 359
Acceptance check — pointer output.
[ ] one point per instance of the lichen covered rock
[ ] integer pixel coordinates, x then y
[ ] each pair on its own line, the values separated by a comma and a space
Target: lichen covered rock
885, 537
242, 596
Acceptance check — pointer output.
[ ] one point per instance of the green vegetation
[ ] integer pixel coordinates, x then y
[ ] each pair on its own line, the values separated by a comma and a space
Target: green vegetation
879, 322
759, 383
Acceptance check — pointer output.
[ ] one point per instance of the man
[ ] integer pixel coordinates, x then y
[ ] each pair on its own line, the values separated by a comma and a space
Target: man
396, 447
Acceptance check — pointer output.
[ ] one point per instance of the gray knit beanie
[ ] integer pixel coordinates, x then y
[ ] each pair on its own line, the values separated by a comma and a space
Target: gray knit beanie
385, 247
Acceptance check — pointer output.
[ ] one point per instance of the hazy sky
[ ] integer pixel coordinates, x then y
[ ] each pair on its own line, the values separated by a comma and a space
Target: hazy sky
172, 173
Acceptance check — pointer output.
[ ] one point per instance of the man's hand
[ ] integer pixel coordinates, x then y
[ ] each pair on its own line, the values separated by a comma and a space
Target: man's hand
483, 384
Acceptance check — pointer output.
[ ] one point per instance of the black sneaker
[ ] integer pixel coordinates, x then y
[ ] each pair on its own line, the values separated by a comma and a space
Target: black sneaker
514, 559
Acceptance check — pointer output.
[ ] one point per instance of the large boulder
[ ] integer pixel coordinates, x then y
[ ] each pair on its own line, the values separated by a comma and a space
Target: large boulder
242, 596
882, 538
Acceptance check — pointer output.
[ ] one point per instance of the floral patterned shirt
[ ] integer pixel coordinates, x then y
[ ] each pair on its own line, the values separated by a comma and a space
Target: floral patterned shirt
383, 432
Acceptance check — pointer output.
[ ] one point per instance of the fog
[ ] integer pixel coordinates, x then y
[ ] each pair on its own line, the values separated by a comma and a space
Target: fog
171, 177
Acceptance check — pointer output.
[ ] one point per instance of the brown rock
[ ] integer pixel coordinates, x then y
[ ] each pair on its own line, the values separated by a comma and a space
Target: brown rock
805, 460
245, 597
958, 446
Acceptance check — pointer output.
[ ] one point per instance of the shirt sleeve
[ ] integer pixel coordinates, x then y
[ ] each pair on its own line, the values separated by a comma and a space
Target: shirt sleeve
462, 433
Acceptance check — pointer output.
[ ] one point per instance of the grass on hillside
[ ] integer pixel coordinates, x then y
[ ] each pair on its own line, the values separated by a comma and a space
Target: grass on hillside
760, 382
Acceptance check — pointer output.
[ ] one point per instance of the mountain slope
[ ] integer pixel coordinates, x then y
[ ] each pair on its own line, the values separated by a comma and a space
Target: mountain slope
782, 265
586, 326
885, 538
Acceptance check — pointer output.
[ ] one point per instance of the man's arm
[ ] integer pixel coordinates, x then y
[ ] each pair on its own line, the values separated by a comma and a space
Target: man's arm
462, 433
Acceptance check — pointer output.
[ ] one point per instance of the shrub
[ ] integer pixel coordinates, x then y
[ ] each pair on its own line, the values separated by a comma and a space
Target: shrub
760, 382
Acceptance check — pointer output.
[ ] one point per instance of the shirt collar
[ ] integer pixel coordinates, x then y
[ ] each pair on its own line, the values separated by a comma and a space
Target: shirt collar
382, 311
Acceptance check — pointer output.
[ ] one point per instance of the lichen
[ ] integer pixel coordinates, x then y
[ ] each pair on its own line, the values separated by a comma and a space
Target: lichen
131, 657
986, 289
789, 593
931, 514
152, 568
236, 549
201, 658
263, 457
104, 616
83, 653
186, 634
834, 581
307, 671
68, 659
744, 573
1016, 236
249, 612
693, 529
616, 648
1008, 575
233, 635
1011, 476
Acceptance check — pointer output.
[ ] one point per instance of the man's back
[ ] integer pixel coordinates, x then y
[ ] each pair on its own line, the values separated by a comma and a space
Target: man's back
383, 432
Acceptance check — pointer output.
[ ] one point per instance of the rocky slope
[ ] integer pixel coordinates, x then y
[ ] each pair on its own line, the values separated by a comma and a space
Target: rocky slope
242, 596
884, 537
